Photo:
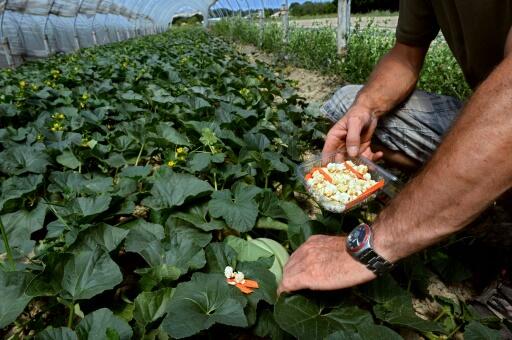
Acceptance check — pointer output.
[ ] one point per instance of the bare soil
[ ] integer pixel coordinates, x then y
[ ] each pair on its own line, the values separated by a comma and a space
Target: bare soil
311, 85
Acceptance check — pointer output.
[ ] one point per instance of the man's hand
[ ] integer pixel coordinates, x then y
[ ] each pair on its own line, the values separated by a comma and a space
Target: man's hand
354, 132
322, 263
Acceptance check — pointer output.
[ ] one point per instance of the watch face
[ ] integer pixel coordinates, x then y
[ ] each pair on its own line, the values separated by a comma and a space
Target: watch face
357, 238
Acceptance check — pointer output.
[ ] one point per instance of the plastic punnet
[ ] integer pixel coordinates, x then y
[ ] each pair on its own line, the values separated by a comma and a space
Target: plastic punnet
390, 187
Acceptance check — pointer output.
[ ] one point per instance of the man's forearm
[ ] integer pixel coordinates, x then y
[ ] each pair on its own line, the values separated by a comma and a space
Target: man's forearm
393, 79
471, 168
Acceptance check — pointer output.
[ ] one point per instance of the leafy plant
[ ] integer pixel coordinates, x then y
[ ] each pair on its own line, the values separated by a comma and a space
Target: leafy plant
173, 158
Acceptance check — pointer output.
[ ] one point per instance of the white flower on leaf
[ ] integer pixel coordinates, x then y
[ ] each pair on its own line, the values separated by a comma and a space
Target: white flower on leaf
229, 272
239, 277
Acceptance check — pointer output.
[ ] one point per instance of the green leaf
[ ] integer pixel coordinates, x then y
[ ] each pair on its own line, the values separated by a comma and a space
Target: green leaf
184, 253
197, 216
280, 253
96, 326
183, 230
383, 289
299, 226
256, 141
257, 270
150, 306
130, 95
150, 277
202, 302
21, 159
246, 250
89, 206
172, 189
449, 268
266, 327
367, 331
239, 212
136, 171
218, 256
88, 273
309, 319
270, 223
17, 187
171, 135
275, 161
14, 298
61, 333
19, 227
105, 235
398, 311
68, 160
199, 161
476, 331
145, 239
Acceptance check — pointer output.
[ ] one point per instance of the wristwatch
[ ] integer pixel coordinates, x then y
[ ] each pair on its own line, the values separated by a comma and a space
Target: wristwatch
360, 245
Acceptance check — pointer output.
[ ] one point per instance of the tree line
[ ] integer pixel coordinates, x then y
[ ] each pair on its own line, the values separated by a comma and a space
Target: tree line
357, 6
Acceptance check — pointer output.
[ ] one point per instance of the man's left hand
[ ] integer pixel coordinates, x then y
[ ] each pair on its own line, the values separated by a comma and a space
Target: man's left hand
322, 263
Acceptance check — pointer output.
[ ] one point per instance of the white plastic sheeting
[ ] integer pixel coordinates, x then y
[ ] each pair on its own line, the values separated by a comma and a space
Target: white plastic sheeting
39, 28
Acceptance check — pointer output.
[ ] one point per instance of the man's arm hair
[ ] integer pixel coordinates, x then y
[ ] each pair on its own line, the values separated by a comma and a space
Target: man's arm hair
393, 79
471, 168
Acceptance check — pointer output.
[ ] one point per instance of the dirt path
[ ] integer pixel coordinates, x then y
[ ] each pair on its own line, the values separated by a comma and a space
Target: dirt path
311, 85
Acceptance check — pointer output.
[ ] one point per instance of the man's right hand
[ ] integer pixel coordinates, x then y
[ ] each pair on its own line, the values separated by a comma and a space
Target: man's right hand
354, 132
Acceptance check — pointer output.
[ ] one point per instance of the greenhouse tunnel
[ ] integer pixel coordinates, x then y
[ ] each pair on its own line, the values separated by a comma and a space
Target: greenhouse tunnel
31, 29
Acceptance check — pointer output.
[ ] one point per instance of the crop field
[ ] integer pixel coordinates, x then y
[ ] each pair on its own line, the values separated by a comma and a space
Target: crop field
132, 174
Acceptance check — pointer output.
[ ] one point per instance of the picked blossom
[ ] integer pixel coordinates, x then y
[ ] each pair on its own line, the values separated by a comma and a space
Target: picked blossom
229, 272
238, 280
239, 277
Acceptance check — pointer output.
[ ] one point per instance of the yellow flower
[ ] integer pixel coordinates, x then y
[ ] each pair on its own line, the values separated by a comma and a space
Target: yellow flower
181, 150
56, 125
85, 96
34, 87
23, 84
245, 92
171, 164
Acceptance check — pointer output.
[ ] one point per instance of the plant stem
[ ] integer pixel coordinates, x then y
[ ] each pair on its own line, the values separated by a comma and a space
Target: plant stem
71, 314
454, 331
10, 258
443, 313
215, 180
266, 181
140, 154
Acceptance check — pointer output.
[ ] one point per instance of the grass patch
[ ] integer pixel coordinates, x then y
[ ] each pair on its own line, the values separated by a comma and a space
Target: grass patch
315, 49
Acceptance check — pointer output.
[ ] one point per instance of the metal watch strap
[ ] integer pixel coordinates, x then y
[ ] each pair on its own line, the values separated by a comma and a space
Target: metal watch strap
373, 261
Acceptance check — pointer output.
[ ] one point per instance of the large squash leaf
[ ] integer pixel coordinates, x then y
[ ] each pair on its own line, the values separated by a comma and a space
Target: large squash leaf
88, 273
200, 303
172, 189
12, 292
103, 324
238, 208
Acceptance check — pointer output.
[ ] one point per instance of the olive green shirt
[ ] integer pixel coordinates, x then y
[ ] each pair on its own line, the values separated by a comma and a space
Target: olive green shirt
475, 30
